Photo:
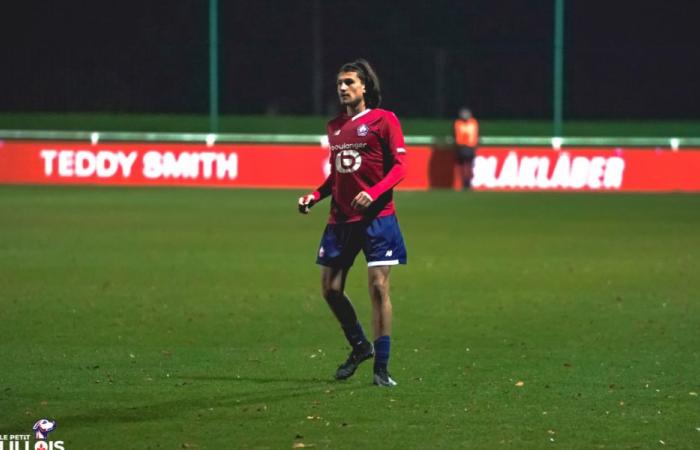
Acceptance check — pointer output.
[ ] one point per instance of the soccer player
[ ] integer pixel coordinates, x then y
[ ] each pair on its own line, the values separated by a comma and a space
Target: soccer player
367, 157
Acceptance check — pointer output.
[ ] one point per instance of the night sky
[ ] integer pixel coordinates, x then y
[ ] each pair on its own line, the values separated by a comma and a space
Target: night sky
624, 59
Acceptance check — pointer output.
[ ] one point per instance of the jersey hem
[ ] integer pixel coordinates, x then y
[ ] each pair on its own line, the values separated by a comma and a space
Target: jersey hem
360, 218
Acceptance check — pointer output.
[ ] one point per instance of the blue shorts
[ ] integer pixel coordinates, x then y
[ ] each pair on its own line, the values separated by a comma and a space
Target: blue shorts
380, 240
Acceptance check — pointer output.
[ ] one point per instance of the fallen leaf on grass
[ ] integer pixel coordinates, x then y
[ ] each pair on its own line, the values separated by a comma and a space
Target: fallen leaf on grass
313, 417
302, 445
520, 384
694, 394
551, 432
189, 445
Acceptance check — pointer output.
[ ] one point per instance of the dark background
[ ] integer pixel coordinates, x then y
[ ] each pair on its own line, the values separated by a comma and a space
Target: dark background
624, 59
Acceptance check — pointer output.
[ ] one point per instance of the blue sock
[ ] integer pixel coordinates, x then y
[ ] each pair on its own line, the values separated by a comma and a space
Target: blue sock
382, 347
354, 334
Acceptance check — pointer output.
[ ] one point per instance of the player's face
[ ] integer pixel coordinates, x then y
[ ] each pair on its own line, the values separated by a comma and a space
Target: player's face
351, 90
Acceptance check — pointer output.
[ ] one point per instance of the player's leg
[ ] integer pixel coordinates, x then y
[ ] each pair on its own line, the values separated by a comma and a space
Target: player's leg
384, 248
333, 286
339, 246
378, 278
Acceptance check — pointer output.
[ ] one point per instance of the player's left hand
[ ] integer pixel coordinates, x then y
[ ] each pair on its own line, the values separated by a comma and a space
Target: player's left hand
361, 201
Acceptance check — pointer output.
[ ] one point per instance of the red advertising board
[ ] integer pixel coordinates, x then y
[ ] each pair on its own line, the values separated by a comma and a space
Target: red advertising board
176, 164
305, 166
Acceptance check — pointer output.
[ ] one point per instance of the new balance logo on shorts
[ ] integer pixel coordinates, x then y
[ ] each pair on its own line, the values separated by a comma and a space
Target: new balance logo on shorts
389, 253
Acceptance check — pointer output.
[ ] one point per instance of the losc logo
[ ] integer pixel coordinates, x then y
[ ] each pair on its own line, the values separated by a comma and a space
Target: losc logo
347, 161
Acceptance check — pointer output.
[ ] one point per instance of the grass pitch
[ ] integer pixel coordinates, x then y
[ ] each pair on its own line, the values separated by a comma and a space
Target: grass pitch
192, 318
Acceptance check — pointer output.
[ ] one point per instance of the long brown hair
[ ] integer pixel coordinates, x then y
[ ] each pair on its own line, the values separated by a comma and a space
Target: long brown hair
364, 71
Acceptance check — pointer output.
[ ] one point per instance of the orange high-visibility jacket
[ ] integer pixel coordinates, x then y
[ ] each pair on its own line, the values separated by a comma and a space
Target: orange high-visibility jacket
467, 132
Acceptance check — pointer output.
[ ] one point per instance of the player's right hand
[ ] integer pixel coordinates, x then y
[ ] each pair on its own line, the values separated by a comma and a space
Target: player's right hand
306, 202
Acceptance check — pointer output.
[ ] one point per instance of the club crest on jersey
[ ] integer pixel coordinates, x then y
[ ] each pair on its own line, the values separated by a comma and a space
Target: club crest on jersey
362, 130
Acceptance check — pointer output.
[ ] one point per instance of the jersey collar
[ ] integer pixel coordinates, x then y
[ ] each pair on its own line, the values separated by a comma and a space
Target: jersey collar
357, 116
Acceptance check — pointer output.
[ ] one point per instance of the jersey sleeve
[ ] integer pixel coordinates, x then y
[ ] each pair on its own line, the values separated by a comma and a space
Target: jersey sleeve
325, 189
393, 136
392, 128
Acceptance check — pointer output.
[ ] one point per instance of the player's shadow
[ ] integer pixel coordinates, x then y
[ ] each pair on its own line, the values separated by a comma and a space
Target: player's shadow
260, 380
182, 404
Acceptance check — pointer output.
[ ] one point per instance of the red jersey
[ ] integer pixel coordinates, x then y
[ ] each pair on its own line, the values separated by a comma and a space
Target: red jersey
367, 154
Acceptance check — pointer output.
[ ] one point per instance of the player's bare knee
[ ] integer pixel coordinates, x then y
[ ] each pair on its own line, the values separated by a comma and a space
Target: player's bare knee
331, 293
379, 290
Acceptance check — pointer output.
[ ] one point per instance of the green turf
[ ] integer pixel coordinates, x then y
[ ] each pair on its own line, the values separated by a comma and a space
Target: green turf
191, 318
178, 123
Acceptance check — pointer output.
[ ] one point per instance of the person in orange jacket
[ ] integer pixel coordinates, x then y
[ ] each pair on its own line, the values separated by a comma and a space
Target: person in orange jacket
466, 133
